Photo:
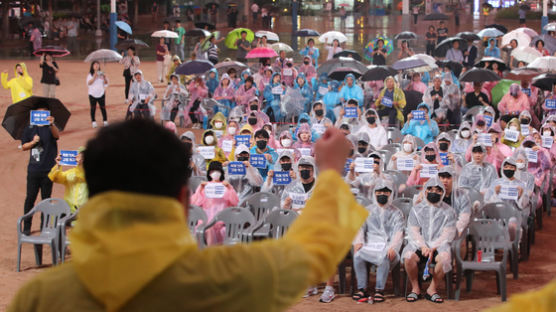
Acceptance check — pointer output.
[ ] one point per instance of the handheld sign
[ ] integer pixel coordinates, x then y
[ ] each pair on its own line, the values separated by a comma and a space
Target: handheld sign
236, 168
418, 115
298, 200
444, 158
243, 139
288, 71
532, 155
364, 164
508, 192
429, 170
484, 139
547, 142
215, 190
277, 90
511, 135
550, 103
38, 118
227, 145
386, 101
524, 130
350, 112
206, 151
281, 178
405, 163
257, 161
527, 91
319, 128
304, 151
347, 165
323, 90
488, 120
68, 158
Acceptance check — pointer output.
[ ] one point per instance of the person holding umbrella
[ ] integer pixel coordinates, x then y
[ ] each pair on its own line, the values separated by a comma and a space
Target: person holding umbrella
96, 85
335, 48
406, 51
243, 47
48, 79
455, 54
379, 54
131, 64
161, 51
21, 86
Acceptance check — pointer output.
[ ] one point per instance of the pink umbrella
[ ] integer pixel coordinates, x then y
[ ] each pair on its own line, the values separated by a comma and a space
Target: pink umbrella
343, 5
261, 52
55, 51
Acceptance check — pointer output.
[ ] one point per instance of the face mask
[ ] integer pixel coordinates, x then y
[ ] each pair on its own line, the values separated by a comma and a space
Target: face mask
547, 133
465, 134
286, 166
306, 62
480, 123
209, 140
232, 130
252, 121
371, 120
520, 165
218, 125
509, 173
382, 199
305, 174
286, 142
261, 144
361, 150
254, 107
188, 146
513, 128
289, 64
430, 158
443, 146
215, 175
319, 112
433, 198
408, 147
524, 121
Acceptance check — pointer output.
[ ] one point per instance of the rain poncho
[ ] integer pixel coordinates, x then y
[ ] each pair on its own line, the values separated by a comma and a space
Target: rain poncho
268, 185
458, 159
218, 124
262, 118
362, 137
459, 200
424, 130
245, 184
433, 226
272, 95
510, 105
478, 176
225, 95
522, 201
460, 143
515, 123
352, 92
175, 97
21, 86
308, 70
199, 92
408, 139
225, 142
305, 90
415, 176
139, 91
320, 86
303, 148
76, 192
354, 123
198, 164
520, 155
331, 99
295, 190
218, 152
244, 95
365, 182
399, 97
313, 53
304, 118
541, 168
320, 123
213, 82
269, 164
492, 50
377, 135
289, 73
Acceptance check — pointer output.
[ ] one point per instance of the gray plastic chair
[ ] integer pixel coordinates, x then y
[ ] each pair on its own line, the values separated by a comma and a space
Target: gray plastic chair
420, 143
399, 177
404, 204
411, 191
64, 241
238, 222
363, 201
196, 219
386, 156
261, 204
394, 135
194, 182
474, 196
488, 236
393, 147
280, 221
52, 210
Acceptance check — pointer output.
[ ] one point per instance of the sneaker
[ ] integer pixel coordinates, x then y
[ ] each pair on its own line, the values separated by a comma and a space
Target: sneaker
94, 124
106, 123
327, 295
311, 291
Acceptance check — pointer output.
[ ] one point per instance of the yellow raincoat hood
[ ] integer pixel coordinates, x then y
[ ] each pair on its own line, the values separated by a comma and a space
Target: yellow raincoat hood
106, 256
21, 86
219, 117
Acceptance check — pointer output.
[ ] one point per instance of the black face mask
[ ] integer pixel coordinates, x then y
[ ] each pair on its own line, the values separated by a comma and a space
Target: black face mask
524, 121
289, 65
252, 121
361, 150
351, 152
261, 144
286, 166
433, 197
319, 112
188, 146
509, 173
243, 158
382, 199
306, 62
371, 120
443, 146
254, 107
430, 158
305, 174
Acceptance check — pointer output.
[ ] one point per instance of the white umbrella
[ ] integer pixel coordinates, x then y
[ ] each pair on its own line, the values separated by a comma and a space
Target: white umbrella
490, 33
522, 38
545, 63
526, 30
427, 58
279, 46
270, 36
103, 55
550, 27
330, 36
164, 34
526, 54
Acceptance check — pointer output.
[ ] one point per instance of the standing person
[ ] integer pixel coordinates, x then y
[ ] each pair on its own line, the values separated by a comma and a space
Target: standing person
442, 32
311, 51
96, 85
161, 51
180, 40
470, 54
131, 64
243, 47
42, 142
154, 11
335, 48
48, 79
265, 15
255, 11
72, 33
213, 49
431, 36
522, 15
405, 51
379, 54
457, 8
415, 12
35, 38
21, 85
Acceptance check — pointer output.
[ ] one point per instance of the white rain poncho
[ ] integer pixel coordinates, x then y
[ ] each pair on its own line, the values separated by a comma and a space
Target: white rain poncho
200, 168
365, 182
319, 126
433, 226
407, 139
458, 158
175, 96
268, 185
452, 95
460, 144
377, 135
459, 200
383, 229
478, 176
140, 91
354, 123
245, 184
522, 173
363, 137
296, 190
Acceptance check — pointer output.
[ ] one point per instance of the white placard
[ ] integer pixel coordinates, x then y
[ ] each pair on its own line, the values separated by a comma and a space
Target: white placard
298, 200
288, 72
206, 151
323, 90
227, 145
532, 156
319, 128
429, 170
218, 133
524, 130
484, 139
547, 142
364, 164
277, 90
405, 163
304, 151
511, 135
143, 96
214, 190
508, 192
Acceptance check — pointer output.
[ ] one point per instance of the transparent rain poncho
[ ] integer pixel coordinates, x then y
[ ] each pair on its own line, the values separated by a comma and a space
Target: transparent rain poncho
295, 189
245, 184
478, 176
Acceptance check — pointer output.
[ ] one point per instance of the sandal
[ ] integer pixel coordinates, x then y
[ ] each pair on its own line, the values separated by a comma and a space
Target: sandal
434, 298
412, 297
379, 296
360, 296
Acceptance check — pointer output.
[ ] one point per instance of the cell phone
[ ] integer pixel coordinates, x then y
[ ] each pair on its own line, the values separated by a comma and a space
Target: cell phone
100, 73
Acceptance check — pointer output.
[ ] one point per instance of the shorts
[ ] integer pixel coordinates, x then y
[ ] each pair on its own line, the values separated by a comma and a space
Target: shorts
423, 259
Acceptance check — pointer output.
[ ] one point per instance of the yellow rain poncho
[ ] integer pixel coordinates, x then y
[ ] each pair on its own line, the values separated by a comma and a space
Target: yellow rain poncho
133, 252
76, 193
543, 300
20, 86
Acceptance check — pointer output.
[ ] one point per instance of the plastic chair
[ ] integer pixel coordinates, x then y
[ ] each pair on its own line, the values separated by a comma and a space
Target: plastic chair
64, 241
399, 177
404, 204
420, 143
394, 135
363, 201
386, 156
52, 210
393, 147
196, 218
280, 221
194, 182
237, 221
488, 236
411, 191
261, 204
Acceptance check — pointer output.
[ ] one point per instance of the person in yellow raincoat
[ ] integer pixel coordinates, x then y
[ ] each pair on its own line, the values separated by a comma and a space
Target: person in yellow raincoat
542, 300
76, 193
209, 139
132, 250
21, 85
391, 101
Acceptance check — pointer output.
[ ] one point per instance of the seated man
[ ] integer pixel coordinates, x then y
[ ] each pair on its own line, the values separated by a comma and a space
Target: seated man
478, 174
431, 228
296, 194
378, 242
284, 163
248, 183
141, 98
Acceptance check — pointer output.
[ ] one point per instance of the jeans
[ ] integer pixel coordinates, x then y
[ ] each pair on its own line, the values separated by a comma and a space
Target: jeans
179, 49
430, 48
93, 102
35, 181
382, 271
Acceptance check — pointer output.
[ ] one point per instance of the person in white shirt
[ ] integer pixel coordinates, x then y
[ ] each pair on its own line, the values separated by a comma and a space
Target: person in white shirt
372, 126
96, 85
335, 48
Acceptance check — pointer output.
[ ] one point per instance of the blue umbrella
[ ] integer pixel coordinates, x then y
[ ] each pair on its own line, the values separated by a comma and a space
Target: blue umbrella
307, 33
124, 26
194, 67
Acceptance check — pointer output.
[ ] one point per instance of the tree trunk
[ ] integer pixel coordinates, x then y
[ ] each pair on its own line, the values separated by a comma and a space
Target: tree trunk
5, 20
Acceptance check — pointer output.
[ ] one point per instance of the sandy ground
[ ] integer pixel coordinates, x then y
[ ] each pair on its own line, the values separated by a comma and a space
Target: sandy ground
534, 273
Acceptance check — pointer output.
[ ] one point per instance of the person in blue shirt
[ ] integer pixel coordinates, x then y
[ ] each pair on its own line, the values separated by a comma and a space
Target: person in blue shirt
351, 90
320, 86
212, 81
261, 147
273, 93
492, 50
332, 99
304, 118
303, 87
426, 129
311, 51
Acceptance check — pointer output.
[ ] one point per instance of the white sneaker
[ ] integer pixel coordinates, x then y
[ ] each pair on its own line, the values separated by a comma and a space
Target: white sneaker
106, 123
311, 291
328, 295
94, 124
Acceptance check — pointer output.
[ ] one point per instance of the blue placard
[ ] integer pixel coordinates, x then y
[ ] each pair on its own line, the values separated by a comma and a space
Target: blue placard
418, 115
38, 118
444, 158
348, 163
550, 103
243, 139
386, 101
527, 91
236, 168
488, 120
257, 161
350, 112
281, 178
68, 158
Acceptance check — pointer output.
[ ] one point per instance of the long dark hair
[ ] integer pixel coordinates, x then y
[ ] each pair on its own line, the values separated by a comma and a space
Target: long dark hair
92, 70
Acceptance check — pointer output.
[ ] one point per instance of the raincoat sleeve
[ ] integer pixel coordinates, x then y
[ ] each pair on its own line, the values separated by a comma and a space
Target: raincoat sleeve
253, 176
5, 83
198, 198
398, 230
56, 175
414, 177
414, 231
447, 233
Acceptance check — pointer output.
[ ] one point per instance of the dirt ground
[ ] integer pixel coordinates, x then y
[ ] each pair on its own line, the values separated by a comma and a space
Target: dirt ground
534, 273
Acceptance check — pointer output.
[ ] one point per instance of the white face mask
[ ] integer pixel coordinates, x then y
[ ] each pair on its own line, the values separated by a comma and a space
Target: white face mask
286, 142
514, 128
232, 130
520, 165
547, 133
465, 134
209, 140
215, 175
218, 125
408, 147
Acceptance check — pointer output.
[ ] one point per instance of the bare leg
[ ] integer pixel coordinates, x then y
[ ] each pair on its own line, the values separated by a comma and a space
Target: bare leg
412, 272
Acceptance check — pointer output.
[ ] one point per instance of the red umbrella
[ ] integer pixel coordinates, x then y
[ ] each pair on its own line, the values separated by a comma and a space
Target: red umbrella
343, 4
55, 51
261, 52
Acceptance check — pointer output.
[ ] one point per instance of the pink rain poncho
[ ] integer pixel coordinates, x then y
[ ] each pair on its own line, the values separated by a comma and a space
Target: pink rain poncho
513, 105
303, 148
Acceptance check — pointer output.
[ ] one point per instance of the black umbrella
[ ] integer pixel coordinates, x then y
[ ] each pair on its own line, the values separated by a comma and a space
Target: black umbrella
348, 53
408, 63
210, 4
307, 33
223, 67
340, 73
197, 32
131, 42
490, 60
55, 51
194, 67
479, 75
205, 25
18, 114
525, 7
29, 20
334, 63
453, 66
405, 35
412, 100
467, 35
498, 26
442, 48
545, 81
378, 72
436, 17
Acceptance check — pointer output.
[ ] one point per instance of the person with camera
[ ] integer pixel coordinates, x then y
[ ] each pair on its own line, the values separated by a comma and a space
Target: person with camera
96, 85
141, 98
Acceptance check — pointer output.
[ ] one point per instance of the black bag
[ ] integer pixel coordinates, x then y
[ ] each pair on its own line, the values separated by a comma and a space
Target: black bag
57, 81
